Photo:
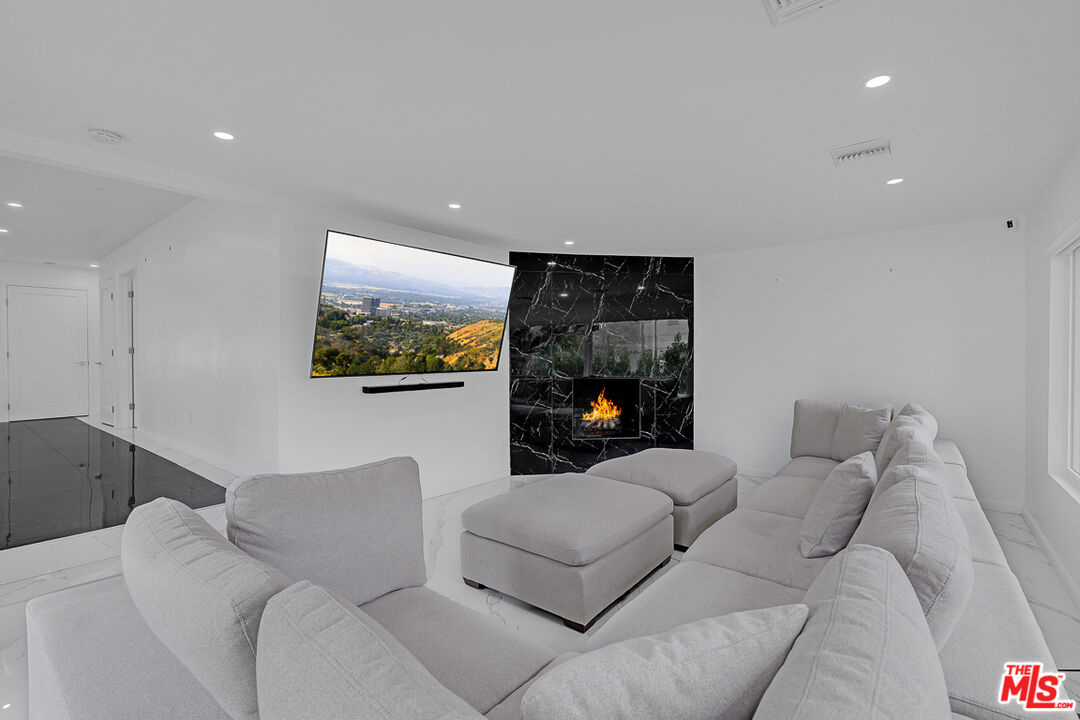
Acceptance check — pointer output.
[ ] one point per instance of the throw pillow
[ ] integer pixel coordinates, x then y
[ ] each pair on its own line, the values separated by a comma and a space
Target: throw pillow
838, 507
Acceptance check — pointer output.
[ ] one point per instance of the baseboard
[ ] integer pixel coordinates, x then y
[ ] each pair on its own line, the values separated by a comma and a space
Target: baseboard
194, 452
1002, 507
1067, 579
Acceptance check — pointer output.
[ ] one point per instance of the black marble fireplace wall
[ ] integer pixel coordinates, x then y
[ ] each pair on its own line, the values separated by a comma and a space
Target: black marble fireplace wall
574, 316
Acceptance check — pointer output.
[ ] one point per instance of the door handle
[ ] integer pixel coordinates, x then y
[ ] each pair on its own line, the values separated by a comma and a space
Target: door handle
82, 362
98, 362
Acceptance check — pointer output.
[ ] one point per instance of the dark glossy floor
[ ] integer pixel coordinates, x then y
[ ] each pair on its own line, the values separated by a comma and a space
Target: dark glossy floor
64, 477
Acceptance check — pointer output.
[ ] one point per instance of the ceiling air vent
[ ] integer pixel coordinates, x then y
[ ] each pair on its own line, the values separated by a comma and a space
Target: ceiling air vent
860, 151
109, 137
784, 10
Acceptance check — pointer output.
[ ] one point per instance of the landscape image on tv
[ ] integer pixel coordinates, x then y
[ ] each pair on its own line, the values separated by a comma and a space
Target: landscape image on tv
387, 309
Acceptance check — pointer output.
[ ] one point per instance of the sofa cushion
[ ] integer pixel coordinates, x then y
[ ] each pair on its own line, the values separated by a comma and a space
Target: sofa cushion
918, 523
687, 592
201, 596
923, 416
322, 657
510, 708
900, 431
997, 627
572, 518
716, 667
685, 476
358, 531
784, 495
949, 453
477, 659
858, 430
811, 467
917, 451
838, 507
983, 541
813, 428
865, 652
761, 544
90, 655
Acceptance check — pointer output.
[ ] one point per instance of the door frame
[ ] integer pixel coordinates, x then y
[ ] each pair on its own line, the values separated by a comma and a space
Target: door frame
7, 334
126, 337
107, 284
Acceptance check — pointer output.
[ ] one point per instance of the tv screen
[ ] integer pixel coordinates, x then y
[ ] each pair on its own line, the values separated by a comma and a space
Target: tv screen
387, 309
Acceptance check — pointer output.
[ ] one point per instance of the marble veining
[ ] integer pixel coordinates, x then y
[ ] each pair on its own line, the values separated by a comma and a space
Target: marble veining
575, 316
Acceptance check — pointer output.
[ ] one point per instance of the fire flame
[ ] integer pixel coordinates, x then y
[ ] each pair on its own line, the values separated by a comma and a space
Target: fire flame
602, 409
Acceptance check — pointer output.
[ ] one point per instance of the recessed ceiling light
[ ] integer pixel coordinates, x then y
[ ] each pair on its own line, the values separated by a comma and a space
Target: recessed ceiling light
567, 242
894, 181
6, 706
15, 204
222, 135
454, 206
878, 81
94, 265
3, 230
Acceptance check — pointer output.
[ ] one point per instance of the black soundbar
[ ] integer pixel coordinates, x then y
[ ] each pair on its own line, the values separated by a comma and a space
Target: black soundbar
413, 386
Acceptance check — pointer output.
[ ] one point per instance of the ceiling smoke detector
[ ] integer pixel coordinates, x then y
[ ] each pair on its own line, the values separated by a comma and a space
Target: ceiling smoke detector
109, 137
784, 10
860, 151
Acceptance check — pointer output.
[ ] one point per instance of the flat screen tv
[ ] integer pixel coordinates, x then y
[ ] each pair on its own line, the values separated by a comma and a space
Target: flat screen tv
387, 309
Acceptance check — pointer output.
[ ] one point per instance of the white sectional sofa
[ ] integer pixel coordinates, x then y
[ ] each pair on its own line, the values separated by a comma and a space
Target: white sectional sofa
916, 618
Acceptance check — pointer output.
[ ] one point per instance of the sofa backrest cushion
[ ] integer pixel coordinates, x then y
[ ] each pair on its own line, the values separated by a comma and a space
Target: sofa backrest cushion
918, 523
838, 507
717, 667
859, 429
836, 430
358, 531
865, 651
201, 596
923, 416
322, 657
903, 429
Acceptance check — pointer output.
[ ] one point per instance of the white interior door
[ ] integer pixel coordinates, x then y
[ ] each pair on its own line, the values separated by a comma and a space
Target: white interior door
48, 367
108, 355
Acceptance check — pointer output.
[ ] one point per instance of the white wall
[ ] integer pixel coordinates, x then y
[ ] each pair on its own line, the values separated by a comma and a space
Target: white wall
930, 315
206, 331
1054, 511
459, 437
55, 276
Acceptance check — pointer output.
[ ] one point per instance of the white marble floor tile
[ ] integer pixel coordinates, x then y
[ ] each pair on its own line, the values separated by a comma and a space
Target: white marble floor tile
13, 683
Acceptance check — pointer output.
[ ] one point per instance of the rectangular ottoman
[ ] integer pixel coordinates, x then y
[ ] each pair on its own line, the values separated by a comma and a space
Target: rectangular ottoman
701, 484
571, 544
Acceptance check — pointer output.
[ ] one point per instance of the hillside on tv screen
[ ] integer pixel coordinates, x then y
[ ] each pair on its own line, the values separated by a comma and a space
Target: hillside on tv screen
388, 309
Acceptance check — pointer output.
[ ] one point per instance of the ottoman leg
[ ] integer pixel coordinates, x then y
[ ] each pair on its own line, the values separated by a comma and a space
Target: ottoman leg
582, 628
474, 584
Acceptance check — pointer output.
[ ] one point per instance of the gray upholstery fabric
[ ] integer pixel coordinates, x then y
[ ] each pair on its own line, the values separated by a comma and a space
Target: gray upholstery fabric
836, 511
957, 482
858, 430
690, 591
201, 596
996, 628
784, 495
865, 652
917, 451
760, 544
575, 592
949, 453
984, 544
358, 531
923, 416
510, 708
809, 467
322, 657
683, 475
919, 524
901, 430
90, 656
813, 428
716, 667
476, 658
572, 518
692, 520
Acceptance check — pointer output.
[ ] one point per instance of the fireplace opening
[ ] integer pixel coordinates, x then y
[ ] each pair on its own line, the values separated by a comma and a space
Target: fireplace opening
607, 408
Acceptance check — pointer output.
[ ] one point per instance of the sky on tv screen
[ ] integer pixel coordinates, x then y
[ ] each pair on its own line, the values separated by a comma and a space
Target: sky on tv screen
388, 309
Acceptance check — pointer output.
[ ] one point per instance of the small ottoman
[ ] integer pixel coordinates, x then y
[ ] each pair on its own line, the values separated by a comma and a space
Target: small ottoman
701, 484
571, 544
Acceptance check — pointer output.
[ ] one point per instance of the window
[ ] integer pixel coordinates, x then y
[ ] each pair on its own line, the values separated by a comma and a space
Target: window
1064, 386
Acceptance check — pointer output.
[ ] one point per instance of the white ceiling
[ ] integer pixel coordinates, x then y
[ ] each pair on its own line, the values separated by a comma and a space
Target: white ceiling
629, 125
73, 218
